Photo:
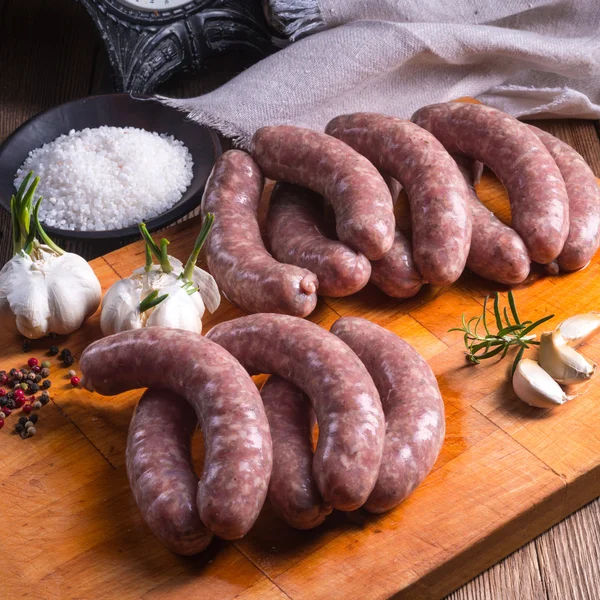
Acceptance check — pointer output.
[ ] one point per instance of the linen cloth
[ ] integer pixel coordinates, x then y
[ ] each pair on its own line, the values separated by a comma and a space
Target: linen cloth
530, 58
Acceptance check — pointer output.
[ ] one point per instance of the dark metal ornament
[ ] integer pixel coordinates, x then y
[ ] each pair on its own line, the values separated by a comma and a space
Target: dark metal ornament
146, 47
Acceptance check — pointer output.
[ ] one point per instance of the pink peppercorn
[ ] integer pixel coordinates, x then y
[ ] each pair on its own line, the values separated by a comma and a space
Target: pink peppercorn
19, 393
2, 392
27, 408
1, 423
6, 411
33, 362
20, 401
75, 381
36, 369
3, 378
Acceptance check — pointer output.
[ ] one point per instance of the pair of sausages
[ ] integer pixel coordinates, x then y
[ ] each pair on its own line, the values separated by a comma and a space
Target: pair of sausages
415, 426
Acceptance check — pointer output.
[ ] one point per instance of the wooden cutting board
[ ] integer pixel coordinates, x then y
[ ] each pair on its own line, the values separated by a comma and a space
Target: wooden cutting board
70, 528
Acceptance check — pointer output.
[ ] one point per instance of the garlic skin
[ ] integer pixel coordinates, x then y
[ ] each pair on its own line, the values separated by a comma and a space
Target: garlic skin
47, 292
564, 364
575, 330
535, 387
180, 310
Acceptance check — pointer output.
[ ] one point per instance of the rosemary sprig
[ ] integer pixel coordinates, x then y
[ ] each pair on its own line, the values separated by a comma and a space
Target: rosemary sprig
510, 333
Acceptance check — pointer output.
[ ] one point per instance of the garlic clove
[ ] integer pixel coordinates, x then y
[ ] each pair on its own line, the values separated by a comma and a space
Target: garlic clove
564, 364
207, 288
120, 307
535, 387
578, 328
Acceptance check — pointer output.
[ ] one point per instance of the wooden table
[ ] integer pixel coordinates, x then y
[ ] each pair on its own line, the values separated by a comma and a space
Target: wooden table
39, 69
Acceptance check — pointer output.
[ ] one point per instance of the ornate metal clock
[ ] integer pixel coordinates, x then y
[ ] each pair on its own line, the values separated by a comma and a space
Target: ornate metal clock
148, 40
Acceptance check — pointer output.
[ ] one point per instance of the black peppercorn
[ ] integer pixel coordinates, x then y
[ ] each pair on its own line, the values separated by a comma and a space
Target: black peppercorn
12, 372
19, 427
45, 372
68, 360
33, 418
65, 352
46, 384
3, 401
34, 387
53, 351
23, 420
11, 403
38, 378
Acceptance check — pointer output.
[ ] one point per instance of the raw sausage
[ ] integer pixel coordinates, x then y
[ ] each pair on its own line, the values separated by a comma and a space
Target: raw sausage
396, 274
238, 453
292, 490
296, 236
359, 196
413, 406
237, 258
536, 190
160, 471
584, 203
341, 391
437, 192
497, 251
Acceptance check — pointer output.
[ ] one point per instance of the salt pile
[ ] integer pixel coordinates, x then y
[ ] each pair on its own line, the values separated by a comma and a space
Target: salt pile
108, 177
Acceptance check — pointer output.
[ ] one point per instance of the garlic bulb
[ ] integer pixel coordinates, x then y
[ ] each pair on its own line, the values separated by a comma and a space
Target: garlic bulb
167, 295
577, 329
564, 364
535, 387
42, 288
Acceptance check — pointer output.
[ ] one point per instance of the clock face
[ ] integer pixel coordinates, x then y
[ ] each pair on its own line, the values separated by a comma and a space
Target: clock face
154, 5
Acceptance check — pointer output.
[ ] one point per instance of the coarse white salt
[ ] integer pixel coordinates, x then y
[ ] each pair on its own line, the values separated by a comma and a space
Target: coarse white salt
108, 177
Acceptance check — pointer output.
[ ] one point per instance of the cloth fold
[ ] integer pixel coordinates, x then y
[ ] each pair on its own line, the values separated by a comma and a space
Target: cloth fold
535, 58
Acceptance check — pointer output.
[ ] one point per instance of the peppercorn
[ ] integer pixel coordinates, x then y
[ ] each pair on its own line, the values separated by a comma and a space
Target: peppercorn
7, 411
33, 418
26, 345
46, 384
31, 431
2, 415
13, 372
72, 373
45, 372
28, 424
23, 386
3, 378
45, 364
36, 369
53, 351
19, 402
37, 405
75, 381
44, 400
34, 388
38, 378
18, 376
10, 404
68, 360
27, 408
22, 420
23, 433
2, 392
1, 423
18, 393
3, 401
31, 376
19, 427
33, 362
65, 352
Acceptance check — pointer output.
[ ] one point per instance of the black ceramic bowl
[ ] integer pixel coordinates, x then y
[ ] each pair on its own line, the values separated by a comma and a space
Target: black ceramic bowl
116, 110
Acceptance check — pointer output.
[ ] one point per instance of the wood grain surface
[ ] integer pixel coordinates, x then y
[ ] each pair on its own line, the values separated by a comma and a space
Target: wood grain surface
50, 53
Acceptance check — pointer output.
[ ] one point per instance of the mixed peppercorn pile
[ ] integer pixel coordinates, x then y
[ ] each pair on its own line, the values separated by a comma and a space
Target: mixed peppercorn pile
19, 386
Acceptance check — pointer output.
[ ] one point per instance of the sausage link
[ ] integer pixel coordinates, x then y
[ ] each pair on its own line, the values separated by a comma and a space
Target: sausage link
342, 393
584, 203
292, 490
160, 471
360, 197
296, 236
536, 190
413, 406
437, 192
237, 258
396, 274
497, 251
238, 453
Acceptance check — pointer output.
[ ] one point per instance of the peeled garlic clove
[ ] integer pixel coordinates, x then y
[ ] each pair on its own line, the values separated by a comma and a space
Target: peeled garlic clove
577, 329
564, 364
535, 387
